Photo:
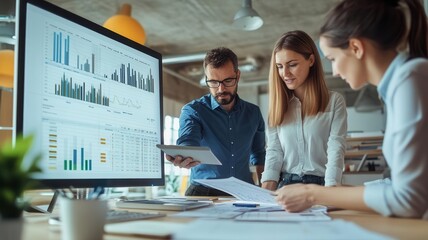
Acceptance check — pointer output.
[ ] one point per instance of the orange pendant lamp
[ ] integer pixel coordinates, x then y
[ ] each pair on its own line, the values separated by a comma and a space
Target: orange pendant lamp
125, 25
6, 68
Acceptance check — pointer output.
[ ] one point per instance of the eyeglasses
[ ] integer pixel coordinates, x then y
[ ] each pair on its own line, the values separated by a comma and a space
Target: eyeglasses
228, 82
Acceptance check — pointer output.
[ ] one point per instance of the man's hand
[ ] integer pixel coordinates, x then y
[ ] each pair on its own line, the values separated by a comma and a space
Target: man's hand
178, 161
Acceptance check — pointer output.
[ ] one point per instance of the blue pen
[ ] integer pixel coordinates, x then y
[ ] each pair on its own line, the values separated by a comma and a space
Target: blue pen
246, 204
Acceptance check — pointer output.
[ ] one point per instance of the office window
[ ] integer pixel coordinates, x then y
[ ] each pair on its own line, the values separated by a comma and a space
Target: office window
175, 177
170, 130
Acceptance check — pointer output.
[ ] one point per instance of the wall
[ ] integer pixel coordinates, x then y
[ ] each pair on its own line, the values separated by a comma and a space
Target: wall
171, 107
264, 106
180, 90
357, 121
366, 121
249, 94
6, 99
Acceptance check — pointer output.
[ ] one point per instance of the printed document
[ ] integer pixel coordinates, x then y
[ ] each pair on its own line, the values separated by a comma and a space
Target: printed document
283, 216
241, 190
263, 213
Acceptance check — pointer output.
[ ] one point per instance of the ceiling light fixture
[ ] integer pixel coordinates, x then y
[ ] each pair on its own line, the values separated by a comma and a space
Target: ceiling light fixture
125, 25
185, 58
247, 18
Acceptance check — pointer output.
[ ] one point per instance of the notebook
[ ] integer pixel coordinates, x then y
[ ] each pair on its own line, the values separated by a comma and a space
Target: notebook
163, 204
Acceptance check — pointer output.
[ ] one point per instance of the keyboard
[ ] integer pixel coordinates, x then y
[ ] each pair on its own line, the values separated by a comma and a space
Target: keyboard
115, 216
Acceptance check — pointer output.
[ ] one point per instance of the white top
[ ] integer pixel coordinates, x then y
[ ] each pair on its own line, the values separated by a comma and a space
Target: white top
404, 90
315, 145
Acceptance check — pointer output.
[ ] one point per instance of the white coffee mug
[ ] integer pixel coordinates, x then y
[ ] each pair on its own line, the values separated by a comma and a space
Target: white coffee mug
82, 219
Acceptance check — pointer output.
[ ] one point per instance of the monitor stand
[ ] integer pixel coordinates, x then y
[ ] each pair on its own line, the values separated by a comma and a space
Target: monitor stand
44, 208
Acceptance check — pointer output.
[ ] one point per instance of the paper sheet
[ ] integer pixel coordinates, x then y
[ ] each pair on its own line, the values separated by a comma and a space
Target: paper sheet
337, 229
264, 212
144, 228
282, 216
241, 190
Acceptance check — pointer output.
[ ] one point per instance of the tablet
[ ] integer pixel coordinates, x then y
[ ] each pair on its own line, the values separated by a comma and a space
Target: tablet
201, 154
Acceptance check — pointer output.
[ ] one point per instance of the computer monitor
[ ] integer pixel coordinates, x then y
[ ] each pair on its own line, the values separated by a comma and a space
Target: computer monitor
91, 98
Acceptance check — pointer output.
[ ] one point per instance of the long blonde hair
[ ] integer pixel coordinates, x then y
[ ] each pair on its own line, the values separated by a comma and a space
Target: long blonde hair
316, 96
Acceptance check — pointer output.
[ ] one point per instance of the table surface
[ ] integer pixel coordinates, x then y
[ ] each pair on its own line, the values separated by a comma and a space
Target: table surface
37, 227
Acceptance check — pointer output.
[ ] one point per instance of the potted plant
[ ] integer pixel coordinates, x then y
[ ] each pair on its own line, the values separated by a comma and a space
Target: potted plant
15, 178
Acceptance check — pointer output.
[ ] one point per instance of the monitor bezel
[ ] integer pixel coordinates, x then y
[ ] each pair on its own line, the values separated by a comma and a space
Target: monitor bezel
80, 183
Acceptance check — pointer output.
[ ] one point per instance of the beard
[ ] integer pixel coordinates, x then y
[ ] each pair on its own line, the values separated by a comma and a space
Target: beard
225, 101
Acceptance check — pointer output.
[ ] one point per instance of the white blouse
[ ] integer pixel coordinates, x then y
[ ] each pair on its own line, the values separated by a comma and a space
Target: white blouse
314, 145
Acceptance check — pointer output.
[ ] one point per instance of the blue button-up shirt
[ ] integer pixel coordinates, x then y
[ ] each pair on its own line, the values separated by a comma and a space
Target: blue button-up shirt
403, 88
237, 138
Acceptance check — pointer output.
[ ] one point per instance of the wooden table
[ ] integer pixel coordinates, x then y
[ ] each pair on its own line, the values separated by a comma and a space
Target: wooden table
37, 226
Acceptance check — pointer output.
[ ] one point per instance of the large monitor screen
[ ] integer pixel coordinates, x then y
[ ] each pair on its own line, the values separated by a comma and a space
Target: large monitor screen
91, 98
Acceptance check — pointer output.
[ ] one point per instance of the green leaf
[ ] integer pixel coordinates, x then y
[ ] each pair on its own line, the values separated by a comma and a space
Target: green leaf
14, 177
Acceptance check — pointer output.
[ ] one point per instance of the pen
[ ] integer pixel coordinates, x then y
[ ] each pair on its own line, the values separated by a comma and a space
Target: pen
246, 204
65, 194
96, 193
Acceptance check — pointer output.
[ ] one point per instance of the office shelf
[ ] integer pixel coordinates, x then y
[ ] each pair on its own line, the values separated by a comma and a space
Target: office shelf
364, 160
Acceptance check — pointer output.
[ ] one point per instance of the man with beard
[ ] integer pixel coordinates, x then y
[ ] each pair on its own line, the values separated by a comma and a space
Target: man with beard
233, 128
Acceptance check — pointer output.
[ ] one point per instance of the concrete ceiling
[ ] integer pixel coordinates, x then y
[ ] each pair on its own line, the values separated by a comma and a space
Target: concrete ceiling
188, 27
191, 27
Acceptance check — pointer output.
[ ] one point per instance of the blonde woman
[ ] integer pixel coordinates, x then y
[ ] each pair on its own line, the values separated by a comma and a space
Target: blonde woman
307, 122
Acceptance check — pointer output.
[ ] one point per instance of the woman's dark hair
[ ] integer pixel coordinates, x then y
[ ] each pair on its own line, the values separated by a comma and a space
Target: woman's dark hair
382, 21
